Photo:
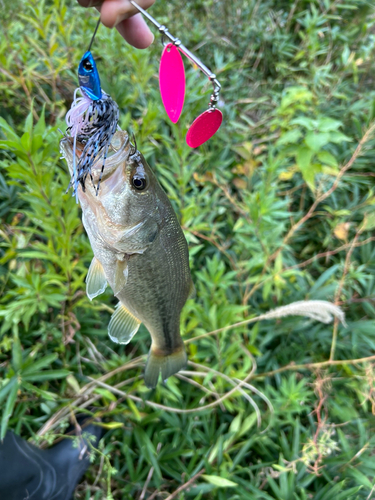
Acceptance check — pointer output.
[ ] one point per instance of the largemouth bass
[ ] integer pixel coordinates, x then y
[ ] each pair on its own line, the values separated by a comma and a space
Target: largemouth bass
139, 249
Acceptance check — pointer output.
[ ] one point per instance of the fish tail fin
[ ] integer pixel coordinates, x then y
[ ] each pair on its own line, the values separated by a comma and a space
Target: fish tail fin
167, 364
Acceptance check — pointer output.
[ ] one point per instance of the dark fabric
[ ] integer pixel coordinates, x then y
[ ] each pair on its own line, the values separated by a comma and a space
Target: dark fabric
29, 473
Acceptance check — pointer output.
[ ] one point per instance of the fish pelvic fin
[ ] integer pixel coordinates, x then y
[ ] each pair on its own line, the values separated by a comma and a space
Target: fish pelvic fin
167, 364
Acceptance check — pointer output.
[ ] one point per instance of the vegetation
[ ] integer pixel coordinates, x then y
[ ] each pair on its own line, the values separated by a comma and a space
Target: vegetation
277, 207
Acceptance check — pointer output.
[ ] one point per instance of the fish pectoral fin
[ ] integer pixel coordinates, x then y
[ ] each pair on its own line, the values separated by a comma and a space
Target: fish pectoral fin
121, 276
123, 325
96, 282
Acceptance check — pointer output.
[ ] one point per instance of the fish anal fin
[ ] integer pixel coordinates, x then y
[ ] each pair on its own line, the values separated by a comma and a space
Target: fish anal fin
96, 282
123, 325
121, 275
166, 364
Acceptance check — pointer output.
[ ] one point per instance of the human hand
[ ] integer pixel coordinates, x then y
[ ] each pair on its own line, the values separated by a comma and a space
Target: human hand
126, 18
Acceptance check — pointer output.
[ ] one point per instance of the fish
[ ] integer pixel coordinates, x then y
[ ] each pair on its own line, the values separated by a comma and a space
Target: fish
139, 250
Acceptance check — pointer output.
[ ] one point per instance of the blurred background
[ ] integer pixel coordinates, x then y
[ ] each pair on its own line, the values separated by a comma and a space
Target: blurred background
269, 220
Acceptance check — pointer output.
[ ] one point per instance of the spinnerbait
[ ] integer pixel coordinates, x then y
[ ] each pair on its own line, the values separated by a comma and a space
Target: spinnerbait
92, 120
172, 86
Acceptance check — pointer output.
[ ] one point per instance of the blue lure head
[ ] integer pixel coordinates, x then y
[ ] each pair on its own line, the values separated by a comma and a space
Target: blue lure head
88, 77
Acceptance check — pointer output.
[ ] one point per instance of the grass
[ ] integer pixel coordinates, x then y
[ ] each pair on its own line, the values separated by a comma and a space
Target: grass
278, 207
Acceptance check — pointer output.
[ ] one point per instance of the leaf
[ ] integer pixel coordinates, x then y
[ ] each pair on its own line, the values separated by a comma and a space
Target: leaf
288, 175
368, 221
327, 124
6, 388
46, 375
50, 396
16, 353
38, 365
290, 137
244, 150
279, 263
28, 129
240, 183
72, 381
105, 393
323, 279
236, 424
220, 482
338, 137
304, 122
316, 140
329, 170
8, 410
110, 425
361, 478
296, 94
303, 158
135, 410
341, 231
40, 126
9, 131
327, 158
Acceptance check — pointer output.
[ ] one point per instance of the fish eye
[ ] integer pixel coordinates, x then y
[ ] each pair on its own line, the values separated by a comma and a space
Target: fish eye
139, 182
87, 65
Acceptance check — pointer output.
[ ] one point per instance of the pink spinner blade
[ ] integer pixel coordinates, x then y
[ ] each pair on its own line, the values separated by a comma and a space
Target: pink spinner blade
172, 82
204, 127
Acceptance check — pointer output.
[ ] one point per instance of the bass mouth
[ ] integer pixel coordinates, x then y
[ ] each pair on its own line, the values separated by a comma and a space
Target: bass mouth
120, 144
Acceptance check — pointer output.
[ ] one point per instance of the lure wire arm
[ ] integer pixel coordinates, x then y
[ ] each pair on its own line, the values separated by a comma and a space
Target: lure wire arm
93, 36
206, 71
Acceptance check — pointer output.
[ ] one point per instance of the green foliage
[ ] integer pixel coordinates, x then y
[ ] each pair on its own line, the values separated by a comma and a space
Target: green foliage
304, 134
269, 219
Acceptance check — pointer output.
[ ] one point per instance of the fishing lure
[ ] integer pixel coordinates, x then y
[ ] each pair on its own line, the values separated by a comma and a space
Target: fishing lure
172, 86
92, 120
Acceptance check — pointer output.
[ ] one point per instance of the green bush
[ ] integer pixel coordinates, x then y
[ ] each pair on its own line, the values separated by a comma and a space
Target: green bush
277, 207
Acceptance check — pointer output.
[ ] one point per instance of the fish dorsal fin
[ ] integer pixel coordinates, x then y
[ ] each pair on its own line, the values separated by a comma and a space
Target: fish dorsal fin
121, 276
96, 282
192, 291
123, 325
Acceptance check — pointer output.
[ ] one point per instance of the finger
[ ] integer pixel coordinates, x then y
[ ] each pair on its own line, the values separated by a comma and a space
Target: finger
136, 32
113, 12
